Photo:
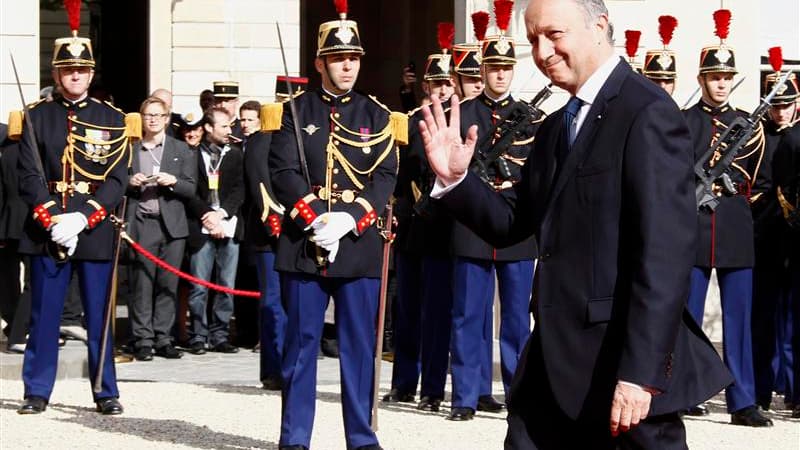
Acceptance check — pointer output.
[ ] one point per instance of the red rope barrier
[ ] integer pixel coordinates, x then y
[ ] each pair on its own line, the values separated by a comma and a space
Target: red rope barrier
184, 275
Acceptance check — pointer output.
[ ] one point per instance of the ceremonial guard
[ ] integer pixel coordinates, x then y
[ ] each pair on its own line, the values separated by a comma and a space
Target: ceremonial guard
771, 325
502, 121
725, 234
262, 229
422, 258
333, 165
659, 64
73, 164
226, 96
467, 59
786, 173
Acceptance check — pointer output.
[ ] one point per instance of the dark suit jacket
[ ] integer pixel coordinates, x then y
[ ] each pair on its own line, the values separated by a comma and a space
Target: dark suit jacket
177, 160
616, 230
231, 195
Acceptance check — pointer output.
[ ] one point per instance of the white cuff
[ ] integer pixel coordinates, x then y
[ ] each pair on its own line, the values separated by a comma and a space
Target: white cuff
439, 189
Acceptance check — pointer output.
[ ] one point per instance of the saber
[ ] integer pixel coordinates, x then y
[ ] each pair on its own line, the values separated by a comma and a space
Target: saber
696, 91
57, 252
301, 153
320, 256
386, 233
111, 302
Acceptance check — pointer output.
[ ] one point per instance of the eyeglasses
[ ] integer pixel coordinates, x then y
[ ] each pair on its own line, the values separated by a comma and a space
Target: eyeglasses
155, 116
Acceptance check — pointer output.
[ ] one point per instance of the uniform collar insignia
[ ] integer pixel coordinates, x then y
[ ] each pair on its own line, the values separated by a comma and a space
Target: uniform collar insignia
310, 129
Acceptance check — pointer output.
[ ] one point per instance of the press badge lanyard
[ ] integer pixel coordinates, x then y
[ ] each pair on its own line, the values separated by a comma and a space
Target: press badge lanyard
213, 172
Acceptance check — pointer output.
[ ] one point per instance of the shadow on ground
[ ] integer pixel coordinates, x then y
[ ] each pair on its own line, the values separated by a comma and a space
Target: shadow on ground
153, 430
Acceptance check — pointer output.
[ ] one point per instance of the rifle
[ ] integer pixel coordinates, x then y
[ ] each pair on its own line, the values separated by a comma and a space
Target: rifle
57, 252
507, 131
388, 237
508, 128
728, 145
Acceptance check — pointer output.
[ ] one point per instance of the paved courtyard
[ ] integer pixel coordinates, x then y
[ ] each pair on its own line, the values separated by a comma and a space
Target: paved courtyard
214, 401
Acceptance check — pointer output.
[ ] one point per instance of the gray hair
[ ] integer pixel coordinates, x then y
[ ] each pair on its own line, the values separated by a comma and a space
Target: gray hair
592, 9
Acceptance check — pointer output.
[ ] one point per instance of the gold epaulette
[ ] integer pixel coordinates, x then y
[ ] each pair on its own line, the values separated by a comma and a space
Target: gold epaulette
133, 125
110, 105
399, 122
271, 116
36, 103
15, 119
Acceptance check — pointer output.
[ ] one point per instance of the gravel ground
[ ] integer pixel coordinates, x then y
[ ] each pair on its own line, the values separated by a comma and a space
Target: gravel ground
208, 402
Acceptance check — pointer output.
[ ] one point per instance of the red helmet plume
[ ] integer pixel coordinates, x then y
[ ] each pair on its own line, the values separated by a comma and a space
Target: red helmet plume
776, 58
722, 23
480, 22
502, 13
445, 31
632, 42
73, 8
341, 8
666, 26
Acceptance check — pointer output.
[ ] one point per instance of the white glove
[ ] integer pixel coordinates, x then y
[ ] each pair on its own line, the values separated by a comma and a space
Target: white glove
332, 226
71, 245
67, 226
332, 251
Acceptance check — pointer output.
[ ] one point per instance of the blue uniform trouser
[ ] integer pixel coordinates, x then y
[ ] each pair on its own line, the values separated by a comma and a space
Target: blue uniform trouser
49, 285
306, 297
736, 291
437, 301
272, 317
471, 345
795, 338
771, 329
406, 319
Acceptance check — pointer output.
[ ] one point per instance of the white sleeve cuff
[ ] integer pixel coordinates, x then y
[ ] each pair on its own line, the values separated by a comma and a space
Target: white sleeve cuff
439, 189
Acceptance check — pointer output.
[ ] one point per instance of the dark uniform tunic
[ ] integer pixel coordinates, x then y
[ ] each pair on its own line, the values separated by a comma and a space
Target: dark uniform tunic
352, 163
320, 114
726, 235
108, 162
90, 137
486, 113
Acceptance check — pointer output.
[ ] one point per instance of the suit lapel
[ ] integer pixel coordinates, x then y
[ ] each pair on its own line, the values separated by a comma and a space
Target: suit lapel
584, 141
137, 150
167, 158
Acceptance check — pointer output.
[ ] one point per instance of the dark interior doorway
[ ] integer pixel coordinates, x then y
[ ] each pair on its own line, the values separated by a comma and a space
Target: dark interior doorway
393, 34
119, 32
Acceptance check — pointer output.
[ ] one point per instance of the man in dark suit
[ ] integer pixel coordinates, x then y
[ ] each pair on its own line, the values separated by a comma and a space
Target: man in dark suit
609, 192
164, 177
215, 231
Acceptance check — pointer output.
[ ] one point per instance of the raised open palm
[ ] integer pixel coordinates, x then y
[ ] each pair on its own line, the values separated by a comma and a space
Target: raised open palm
448, 154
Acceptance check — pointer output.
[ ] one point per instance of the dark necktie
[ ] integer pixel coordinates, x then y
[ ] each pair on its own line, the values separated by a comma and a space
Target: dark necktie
570, 112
